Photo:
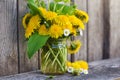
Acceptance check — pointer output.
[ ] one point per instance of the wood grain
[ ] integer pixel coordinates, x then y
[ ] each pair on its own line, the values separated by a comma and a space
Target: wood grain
106, 30
95, 30
82, 54
8, 37
99, 70
25, 63
114, 28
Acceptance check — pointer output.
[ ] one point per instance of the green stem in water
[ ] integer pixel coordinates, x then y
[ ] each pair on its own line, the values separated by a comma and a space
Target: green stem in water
47, 57
55, 56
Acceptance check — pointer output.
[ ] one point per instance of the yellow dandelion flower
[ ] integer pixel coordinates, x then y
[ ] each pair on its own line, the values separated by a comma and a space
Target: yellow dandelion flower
43, 30
69, 64
67, 26
25, 20
76, 22
34, 23
83, 64
43, 10
55, 31
49, 15
74, 47
74, 31
82, 15
62, 20
76, 66
28, 32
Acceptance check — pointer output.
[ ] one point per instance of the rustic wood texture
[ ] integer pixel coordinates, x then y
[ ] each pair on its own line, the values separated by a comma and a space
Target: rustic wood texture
8, 37
99, 70
100, 40
95, 30
25, 63
114, 28
82, 54
106, 30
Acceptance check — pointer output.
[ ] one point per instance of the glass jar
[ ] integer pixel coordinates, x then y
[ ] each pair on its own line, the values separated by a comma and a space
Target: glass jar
54, 57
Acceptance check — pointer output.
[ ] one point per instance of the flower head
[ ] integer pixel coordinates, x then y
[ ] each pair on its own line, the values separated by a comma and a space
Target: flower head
49, 15
81, 32
55, 31
76, 22
43, 10
82, 15
74, 47
43, 30
69, 64
66, 32
77, 67
74, 31
62, 20
25, 20
70, 69
34, 23
67, 26
83, 64
85, 71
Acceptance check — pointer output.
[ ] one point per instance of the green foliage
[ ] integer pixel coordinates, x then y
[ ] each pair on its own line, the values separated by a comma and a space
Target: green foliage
40, 3
62, 8
34, 8
58, 0
35, 42
62, 0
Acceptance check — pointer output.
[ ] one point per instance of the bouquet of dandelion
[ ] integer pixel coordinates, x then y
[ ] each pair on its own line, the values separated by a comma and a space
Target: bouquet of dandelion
47, 27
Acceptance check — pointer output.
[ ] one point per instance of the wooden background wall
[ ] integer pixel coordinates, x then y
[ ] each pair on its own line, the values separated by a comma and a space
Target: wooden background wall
100, 41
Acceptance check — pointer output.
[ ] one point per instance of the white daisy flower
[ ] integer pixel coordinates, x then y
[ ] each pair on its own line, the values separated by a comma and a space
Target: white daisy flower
81, 32
85, 71
70, 69
66, 32
81, 70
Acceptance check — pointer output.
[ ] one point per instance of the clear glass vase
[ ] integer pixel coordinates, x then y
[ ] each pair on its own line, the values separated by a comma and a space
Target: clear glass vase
54, 57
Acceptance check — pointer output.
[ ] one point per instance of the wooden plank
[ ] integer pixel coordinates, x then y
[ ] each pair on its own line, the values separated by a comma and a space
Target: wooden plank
106, 30
82, 54
114, 28
25, 63
95, 29
8, 37
99, 70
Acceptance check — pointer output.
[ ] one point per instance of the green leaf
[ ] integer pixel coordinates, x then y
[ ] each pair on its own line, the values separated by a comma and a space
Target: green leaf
62, 8
35, 42
43, 4
58, 0
68, 10
31, 1
34, 8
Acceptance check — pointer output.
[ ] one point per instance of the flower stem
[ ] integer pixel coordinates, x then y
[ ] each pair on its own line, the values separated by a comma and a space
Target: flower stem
48, 4
55, 56
55, 7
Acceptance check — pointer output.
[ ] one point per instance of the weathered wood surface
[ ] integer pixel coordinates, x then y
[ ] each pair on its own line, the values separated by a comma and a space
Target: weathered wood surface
25, 64
99, 70
95, 30
114, 28
100, 40
8, 37
82, 54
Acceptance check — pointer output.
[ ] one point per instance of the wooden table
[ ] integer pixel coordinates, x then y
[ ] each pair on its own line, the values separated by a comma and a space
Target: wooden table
99, 70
